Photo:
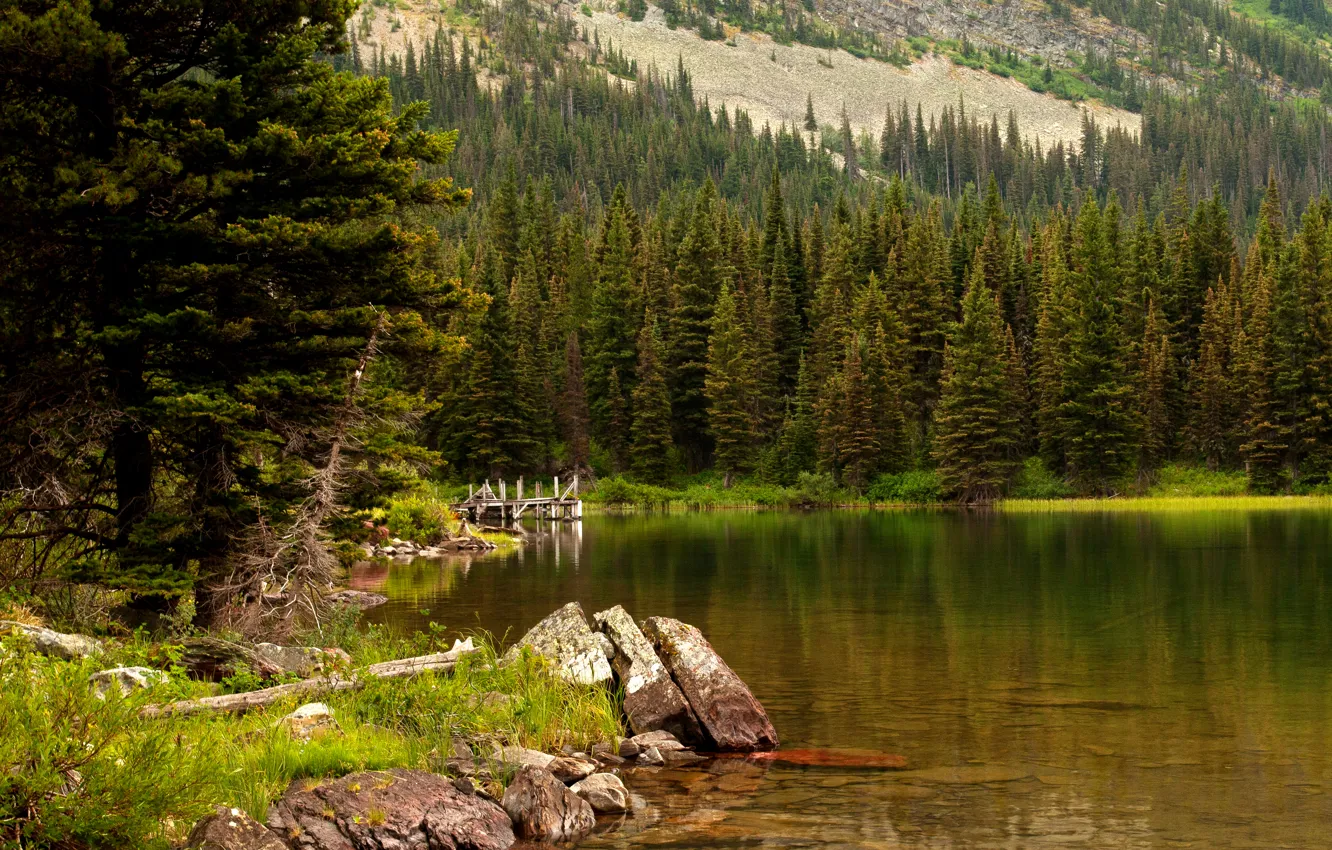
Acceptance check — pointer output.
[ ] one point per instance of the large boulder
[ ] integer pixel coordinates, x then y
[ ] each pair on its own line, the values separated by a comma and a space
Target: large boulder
357, 599
399, 809
232, 829
604, 792
214, 659
729, 713
652, 701
53, 643
566, 640
126, 679
543, 809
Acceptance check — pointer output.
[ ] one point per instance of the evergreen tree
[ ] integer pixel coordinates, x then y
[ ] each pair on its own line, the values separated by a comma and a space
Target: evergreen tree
1154, 381
650, 451
1264, 449
1096, 421
975, 428
699, 275
575, 414
729, 387
611, 324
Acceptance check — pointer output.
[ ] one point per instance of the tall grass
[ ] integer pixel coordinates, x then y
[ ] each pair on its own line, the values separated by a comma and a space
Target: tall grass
142, 783
1167, 503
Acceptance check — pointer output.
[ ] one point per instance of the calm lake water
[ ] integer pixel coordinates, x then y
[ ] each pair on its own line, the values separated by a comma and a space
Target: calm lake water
1077, 680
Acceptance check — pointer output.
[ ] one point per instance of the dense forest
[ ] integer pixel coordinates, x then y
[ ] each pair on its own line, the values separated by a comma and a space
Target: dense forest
249, 296
671, 288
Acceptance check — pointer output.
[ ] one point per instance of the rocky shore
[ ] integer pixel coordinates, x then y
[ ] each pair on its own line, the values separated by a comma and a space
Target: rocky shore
681, 703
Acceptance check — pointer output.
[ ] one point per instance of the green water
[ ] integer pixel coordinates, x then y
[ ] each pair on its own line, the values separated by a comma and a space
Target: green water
1055, 681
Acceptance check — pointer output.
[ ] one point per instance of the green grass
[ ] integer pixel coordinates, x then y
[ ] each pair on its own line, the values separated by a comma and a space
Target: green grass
1167, 503
144, 782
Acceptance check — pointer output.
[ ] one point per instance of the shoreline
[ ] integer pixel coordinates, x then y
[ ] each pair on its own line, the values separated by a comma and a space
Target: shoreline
1110, 504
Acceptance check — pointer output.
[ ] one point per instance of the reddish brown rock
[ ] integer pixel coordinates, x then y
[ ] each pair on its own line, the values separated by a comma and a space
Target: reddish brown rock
232, 829
543, 809
733, 719
402, 809
652, 701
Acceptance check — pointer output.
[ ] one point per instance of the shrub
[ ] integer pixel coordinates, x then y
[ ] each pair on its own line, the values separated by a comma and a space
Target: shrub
1177, 479
818, 488
1036, 481
917, 486
418, 519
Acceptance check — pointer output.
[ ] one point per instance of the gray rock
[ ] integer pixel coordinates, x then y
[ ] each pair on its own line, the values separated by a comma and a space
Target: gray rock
126, 679
629, 748
520, 757
606, 644
357, 598
302, 660
652, 700
604, 792
56, 644
565, 639
724, 705
310, 721
661, 739
543, 809
232, 829
651, 757
676, 758
398, 809
570, 769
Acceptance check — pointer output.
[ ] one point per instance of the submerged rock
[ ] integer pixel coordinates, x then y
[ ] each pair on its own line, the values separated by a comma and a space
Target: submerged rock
357, 598
400, 809
835, 758
566, 640
126, 679
651, 700
232, 829
543, 809
53, 643
733, 719
604, 792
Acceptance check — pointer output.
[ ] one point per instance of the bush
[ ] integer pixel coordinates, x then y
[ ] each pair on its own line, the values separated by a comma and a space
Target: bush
419, 519
1177, 479
917, 487
1036, 481
818, 488
620, 491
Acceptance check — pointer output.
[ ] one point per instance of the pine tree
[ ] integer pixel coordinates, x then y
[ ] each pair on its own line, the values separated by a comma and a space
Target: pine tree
575, 415
1096, 420
1264, 448
1153, 387
699, 274
650, 450
811, 123
975, 428
1211, 388
611, 324
729, 388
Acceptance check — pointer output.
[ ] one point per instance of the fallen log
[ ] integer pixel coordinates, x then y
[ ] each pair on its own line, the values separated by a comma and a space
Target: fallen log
439, 662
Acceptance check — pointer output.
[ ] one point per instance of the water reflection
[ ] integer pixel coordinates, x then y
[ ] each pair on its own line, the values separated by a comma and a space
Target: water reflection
1109, 680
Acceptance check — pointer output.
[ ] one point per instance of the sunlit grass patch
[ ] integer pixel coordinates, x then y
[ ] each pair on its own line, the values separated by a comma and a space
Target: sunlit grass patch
1167, 503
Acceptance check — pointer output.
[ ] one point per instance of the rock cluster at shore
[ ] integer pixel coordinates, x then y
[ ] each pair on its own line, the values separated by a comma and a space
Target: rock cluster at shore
679, 696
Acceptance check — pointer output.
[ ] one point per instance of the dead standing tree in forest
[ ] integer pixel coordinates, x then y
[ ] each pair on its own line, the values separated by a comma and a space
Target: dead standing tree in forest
280, 579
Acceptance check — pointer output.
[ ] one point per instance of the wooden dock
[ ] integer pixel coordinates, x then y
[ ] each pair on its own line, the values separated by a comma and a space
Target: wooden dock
561, 506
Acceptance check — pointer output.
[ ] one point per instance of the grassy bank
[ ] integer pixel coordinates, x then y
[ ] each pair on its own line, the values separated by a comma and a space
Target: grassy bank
76, 770
1167, 503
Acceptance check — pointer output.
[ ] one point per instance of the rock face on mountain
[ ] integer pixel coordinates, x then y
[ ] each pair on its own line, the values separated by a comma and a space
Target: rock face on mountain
565, 638
652, 700
733, 719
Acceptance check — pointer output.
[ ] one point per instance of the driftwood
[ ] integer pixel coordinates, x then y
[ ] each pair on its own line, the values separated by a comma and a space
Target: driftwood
440, 662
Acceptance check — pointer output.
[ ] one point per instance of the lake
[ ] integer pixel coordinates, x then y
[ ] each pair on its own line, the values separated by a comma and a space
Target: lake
1097, 680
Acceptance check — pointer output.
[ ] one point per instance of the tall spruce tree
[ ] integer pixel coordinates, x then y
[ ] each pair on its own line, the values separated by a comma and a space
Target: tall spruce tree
650, 449
203, 229
1096, 420
729, 388
975, 427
